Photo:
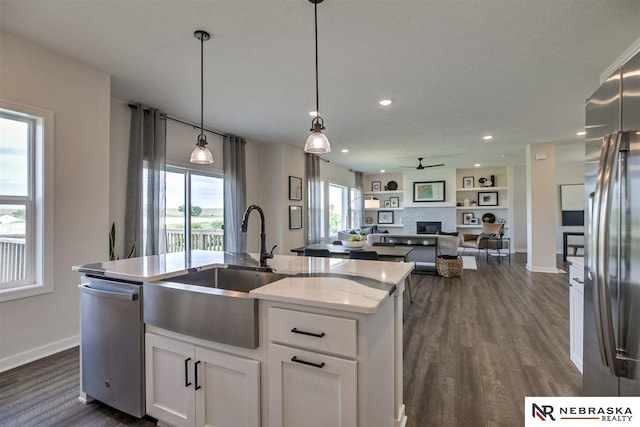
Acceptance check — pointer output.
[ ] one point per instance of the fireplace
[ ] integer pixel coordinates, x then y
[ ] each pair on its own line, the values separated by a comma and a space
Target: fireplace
428, 227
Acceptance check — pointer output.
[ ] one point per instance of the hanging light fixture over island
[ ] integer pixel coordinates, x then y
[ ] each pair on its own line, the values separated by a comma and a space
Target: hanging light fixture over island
317, 143
201, 154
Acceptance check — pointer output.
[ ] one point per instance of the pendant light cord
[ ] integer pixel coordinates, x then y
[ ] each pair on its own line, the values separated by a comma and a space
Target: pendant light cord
201, 86
315, 12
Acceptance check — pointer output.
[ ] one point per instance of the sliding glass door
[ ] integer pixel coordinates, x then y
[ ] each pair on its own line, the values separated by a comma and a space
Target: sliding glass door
194, 217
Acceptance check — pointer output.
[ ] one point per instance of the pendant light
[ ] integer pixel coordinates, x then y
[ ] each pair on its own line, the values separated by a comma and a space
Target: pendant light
317, 143
201, 154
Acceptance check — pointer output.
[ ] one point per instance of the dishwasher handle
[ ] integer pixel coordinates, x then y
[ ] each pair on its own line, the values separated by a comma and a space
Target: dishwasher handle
123, 296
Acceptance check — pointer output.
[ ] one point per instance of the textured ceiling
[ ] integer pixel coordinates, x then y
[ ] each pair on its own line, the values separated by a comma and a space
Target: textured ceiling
518, 69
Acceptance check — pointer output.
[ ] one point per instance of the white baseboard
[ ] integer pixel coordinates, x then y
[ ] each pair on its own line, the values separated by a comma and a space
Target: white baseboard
401, 421
38, 353
535, 269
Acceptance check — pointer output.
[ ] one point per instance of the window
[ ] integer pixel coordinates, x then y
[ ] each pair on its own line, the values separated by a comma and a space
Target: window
355, 211
338, 208
194, 209
26, 177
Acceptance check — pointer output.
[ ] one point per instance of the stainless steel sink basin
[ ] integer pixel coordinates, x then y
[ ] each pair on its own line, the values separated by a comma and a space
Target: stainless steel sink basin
231, 279
210, 304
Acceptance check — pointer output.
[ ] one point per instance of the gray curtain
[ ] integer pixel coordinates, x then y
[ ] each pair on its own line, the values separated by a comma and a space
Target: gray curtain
145, 204
235, 193
359, 201
314, 202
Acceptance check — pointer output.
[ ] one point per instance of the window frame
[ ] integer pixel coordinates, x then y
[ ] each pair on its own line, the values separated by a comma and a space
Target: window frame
345, 208
39, 202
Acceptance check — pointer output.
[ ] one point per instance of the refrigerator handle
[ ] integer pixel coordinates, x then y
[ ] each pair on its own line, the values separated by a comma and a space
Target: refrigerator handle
592, 233
606, 182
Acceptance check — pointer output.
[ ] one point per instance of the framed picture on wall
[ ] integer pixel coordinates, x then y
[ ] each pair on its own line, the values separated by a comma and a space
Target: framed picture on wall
295, 217
467, 182
395, 202
295, 188
376, 186
428, 191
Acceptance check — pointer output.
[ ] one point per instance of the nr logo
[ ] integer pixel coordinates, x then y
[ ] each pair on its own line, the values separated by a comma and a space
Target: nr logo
542, 412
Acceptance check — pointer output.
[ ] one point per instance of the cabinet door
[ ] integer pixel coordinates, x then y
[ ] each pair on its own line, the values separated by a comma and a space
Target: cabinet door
228, 390
311, 389
576, 300
169, 368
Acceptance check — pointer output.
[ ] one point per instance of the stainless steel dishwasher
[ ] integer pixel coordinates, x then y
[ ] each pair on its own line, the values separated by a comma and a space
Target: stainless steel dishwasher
112, 343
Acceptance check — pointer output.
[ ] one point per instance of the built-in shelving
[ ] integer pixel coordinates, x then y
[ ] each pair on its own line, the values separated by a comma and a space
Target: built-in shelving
382, 193
482, 189
485, 208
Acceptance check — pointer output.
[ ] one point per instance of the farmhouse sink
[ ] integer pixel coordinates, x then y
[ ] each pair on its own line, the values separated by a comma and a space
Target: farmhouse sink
209, 304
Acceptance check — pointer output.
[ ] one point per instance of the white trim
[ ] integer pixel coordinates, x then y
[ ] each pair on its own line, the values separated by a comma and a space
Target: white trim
38, 353
534, 269
43, 203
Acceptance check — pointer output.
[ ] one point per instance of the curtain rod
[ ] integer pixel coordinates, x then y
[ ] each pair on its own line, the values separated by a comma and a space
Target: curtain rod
168, 117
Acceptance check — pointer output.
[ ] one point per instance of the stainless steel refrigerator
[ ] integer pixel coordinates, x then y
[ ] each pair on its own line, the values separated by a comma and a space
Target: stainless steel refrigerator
612, 252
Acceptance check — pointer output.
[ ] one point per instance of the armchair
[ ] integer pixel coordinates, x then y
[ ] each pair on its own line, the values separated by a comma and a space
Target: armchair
479, 241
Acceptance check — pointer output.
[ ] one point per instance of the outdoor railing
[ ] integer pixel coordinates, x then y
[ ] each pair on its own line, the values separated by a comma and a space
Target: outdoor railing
12, 259
208, 240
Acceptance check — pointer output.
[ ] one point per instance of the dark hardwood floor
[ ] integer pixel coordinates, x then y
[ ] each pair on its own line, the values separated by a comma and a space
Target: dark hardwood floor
474, 347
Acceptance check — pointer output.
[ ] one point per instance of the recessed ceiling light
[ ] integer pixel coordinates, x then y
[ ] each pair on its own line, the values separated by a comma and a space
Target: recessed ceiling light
487, 137
313, 113
582, 132
477, 165
382, 171
385, 102
345, 150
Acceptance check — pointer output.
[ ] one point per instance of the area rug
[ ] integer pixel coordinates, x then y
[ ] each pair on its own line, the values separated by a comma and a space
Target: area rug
469, 263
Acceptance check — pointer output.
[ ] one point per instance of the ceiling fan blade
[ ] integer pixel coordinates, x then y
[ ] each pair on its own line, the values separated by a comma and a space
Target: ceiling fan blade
433, 166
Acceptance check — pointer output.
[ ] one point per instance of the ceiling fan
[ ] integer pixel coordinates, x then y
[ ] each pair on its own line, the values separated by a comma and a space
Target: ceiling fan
421, 166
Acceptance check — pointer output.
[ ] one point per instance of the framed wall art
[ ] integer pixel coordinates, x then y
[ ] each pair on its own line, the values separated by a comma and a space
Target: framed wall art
295, 188
487, 198
385, 217
428, 191
468, 182
467, 217
295, 217
376, 186
395, 202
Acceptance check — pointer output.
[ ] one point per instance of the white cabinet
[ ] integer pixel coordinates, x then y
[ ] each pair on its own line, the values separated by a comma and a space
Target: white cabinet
330, 369
189, 385
311, 389
576, 313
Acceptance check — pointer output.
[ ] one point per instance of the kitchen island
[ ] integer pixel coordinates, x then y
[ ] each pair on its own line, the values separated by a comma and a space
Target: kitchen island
328, 347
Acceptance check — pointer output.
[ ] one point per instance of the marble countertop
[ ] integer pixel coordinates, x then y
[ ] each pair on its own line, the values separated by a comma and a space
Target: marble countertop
576, 260
352, 285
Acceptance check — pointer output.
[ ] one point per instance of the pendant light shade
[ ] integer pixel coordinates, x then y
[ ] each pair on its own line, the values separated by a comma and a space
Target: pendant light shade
201, 154
317, 143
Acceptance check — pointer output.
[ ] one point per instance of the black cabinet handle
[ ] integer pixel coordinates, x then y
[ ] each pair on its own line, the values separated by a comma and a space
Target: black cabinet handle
577, 280
198, 387
304, 362
311, 334
187, 383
